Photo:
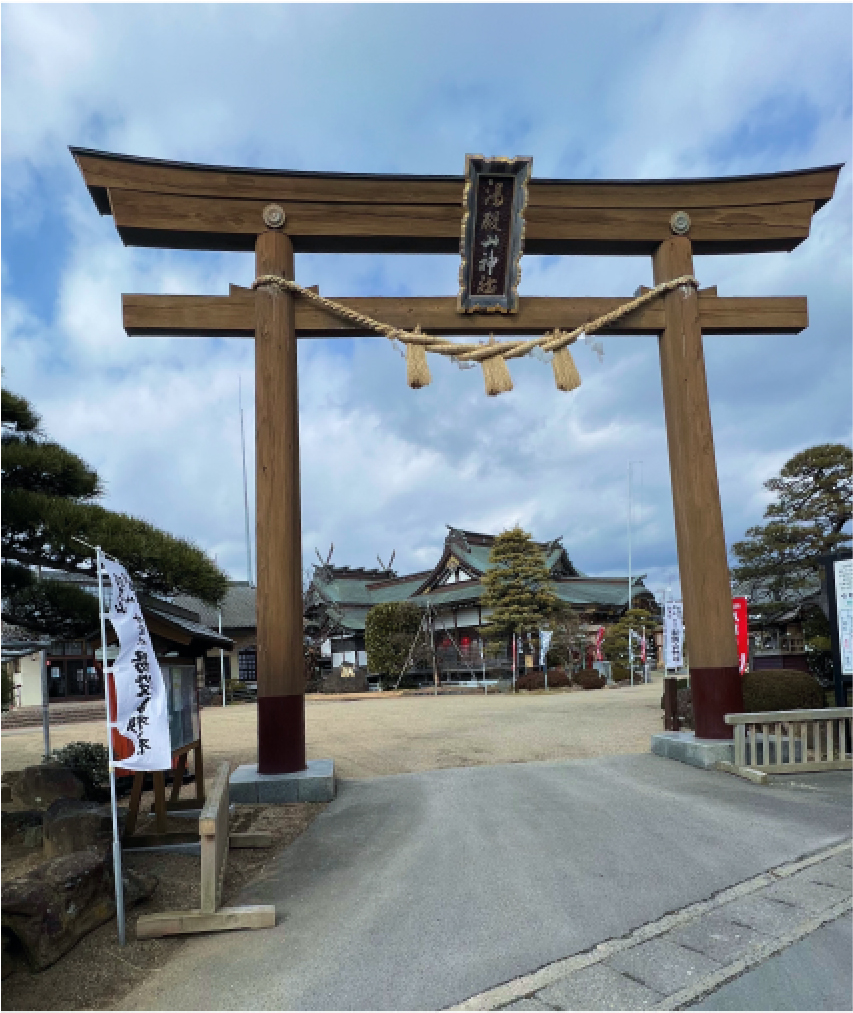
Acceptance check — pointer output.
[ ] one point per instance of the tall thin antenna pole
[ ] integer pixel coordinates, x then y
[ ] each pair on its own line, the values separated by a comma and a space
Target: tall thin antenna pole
245, 484
630, 588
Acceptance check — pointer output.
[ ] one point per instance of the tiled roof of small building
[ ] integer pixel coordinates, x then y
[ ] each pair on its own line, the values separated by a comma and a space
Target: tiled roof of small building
239, 607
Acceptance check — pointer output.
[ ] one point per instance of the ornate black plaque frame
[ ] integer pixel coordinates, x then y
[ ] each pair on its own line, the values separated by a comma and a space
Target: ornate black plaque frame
492, 179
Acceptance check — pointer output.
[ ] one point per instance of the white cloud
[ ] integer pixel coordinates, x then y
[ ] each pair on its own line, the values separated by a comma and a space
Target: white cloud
591, 91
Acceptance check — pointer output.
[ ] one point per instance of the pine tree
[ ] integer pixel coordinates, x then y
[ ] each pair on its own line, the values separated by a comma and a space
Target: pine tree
47, 500
777, 561
615, 644
517, 587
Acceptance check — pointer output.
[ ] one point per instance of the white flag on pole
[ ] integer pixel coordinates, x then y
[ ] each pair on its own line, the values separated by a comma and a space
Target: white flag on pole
673, 634
141, 713
544, 644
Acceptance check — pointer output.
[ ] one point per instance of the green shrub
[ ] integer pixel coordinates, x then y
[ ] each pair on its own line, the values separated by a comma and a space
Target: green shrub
90, 760
390, 631
588, 678
781, 690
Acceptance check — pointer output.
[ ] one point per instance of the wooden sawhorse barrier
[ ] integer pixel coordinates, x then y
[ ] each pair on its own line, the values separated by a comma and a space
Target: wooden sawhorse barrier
210, 917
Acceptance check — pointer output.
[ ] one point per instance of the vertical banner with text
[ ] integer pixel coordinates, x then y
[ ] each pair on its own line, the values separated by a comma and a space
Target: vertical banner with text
141, 712
844, 612
741, 616
673, 634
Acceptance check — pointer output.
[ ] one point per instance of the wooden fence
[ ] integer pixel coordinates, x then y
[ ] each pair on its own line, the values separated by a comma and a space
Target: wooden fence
210, 917
782, 742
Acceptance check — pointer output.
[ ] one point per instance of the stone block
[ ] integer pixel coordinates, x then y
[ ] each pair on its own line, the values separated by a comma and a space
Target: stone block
527, 1004
40, 785
52, 907
834, 872
685, 747
663, 965
810, 897
717, 937
315, 784
598, 987
772, 917
22, 828
71, 825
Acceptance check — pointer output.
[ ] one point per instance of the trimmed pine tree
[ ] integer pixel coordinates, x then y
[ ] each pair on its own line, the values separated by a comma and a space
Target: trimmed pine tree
47, 500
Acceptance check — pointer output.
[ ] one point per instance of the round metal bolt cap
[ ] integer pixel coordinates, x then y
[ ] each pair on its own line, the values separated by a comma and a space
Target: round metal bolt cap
680, 223
273, 216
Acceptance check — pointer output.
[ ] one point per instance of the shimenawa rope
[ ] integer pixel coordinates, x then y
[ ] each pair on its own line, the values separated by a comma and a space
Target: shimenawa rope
491, 356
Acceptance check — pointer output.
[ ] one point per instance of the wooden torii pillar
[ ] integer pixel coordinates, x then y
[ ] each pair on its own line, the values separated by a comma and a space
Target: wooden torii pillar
184, 206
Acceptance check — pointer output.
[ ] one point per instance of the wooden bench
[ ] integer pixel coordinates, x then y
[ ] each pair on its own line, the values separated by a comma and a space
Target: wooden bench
787, 742
210, 917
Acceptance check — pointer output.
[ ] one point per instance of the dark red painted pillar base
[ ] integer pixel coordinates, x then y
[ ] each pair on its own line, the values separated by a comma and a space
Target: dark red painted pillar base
281, 734
716, 692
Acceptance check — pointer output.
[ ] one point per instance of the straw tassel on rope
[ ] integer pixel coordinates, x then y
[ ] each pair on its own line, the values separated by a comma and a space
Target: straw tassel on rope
496, 373
566, 375
417, 370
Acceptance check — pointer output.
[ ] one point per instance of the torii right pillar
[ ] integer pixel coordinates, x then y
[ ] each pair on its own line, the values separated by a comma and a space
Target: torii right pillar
715, 679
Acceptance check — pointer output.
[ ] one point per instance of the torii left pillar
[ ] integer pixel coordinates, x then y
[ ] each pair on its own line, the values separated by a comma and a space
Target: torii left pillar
280, 671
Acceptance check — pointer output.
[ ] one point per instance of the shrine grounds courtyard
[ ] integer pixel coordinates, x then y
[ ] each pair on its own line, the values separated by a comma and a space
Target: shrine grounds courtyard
378, 734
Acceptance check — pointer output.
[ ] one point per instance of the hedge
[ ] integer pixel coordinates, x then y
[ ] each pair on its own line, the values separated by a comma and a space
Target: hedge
777, 689
774, 689
588, 678
536, 680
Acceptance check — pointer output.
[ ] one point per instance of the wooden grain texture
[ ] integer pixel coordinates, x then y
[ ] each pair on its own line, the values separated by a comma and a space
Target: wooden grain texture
176, 923
702, 558
251, 839
279, 537
234, 315
102, 171
154, 219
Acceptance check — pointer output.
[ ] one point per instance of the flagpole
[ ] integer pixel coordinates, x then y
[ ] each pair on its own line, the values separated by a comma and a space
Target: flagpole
117, 876
221, 661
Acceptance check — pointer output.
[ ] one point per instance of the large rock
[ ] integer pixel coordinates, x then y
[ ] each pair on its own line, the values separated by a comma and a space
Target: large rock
40, 785
51, 908
22, 828
70, 825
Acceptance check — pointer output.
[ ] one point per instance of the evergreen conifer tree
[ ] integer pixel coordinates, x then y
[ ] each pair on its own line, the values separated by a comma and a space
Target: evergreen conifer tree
517, 587
47, 499
777, 561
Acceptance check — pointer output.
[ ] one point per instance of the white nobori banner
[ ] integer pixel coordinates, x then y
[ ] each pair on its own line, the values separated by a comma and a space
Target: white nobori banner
673, 634
141, 713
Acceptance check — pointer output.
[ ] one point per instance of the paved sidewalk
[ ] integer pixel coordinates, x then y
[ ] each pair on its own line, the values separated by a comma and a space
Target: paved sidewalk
671, 963
418, 891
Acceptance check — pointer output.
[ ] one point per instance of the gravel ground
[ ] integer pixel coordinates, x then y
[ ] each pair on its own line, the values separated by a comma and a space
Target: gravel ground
97, 973
369, 736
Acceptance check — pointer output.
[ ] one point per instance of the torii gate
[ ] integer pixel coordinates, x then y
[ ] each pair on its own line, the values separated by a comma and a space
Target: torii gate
202, 207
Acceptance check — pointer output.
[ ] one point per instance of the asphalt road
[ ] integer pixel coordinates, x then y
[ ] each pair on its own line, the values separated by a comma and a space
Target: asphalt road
416, 891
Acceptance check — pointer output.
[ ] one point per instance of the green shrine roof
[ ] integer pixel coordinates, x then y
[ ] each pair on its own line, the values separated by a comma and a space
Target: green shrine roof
348, 593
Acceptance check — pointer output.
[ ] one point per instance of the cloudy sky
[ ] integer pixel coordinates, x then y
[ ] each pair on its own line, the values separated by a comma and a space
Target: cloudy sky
589, 91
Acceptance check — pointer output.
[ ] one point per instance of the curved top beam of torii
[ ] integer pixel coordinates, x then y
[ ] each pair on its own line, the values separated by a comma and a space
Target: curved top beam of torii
168, 204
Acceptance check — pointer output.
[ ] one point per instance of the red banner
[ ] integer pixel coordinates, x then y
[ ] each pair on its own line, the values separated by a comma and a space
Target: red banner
598, 655
739, 608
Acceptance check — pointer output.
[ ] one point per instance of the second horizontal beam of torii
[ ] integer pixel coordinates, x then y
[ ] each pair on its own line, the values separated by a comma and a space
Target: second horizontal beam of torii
234, 315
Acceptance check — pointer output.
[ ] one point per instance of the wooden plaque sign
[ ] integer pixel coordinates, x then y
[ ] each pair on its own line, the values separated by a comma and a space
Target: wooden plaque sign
492, 242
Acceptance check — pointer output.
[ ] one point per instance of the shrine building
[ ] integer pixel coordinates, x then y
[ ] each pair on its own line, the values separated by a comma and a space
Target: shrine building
339, 598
